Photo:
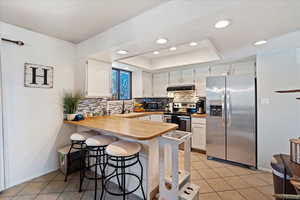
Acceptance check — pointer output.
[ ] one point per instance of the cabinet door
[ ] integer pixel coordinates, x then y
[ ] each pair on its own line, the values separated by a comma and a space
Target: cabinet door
200, 80
175, 77
98, 79
157, 118
243, 68
160, 84
199, 136
220, 70
147, 84
188, 76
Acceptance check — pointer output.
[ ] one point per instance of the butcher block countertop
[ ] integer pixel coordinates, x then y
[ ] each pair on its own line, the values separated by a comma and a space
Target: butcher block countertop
199, 115
125, 127
138, 114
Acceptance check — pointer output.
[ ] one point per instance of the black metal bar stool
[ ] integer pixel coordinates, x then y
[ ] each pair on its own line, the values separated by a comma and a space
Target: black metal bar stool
95, 150
122, 155
78, 142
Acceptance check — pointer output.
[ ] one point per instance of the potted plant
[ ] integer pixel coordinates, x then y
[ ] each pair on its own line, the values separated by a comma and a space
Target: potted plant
70, 103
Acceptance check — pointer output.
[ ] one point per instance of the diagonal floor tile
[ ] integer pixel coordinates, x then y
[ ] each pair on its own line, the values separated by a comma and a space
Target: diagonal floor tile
252, 194
219, 184
55, 187
53, 196
70, 196
209, 196
236, 182
33, 188
231, 195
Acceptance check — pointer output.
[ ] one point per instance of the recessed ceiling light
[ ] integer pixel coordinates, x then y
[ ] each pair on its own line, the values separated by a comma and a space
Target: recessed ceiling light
192, 44
122, 52
161, 41
155, 52
222, 24
173, 49
261, 42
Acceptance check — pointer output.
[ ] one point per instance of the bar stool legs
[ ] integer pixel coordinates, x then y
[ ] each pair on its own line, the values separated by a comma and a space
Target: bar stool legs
73, 146
120, 163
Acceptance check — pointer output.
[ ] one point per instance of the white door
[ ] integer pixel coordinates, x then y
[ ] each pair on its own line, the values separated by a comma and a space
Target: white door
2, 179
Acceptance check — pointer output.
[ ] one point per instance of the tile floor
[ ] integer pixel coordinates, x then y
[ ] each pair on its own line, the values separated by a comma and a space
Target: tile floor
218, 181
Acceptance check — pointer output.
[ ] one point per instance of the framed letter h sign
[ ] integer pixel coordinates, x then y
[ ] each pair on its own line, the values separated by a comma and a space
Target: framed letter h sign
38, 76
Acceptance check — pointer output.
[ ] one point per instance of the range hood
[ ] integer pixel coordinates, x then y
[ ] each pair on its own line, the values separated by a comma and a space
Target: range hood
181, 88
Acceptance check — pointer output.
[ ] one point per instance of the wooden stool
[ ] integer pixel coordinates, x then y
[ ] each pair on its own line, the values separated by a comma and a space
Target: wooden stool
121, 155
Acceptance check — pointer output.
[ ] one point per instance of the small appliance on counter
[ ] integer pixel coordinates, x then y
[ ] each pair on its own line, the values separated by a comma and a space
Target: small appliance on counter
201, 105
152, 104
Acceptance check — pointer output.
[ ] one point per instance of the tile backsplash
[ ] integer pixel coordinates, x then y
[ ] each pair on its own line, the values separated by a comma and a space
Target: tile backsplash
99, 106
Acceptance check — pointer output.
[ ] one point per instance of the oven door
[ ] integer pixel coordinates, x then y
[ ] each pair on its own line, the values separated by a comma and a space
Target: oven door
184, 123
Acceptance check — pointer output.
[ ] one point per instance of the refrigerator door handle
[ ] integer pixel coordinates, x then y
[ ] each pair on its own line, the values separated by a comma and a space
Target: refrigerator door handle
223, 109
229, 110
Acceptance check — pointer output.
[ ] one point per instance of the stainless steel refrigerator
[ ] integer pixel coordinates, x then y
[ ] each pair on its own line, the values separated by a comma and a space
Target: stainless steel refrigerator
231, 121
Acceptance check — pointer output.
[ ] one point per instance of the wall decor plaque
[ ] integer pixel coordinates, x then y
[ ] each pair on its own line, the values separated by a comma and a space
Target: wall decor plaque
38, 76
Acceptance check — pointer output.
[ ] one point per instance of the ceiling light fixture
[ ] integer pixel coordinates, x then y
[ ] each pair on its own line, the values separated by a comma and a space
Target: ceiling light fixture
161, 41
173, 49
261, 42
192, 44
222, 24
155, 52
122, 52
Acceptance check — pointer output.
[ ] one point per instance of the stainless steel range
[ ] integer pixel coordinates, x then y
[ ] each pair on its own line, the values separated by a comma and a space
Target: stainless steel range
181, 115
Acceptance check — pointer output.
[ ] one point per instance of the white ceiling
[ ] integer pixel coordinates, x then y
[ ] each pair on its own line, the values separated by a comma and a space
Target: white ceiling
72, 20
182, 21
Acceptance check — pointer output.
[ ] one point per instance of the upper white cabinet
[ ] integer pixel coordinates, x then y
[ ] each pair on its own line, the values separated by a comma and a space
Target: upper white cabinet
175, 77
160, 84
200, 80
147, 84
243, 68
188, 76
98, 79
220, 70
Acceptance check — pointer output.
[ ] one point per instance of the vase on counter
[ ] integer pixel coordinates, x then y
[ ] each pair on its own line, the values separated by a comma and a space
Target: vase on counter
71, 117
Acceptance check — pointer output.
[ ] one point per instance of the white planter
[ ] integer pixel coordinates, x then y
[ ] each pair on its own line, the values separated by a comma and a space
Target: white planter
71, 117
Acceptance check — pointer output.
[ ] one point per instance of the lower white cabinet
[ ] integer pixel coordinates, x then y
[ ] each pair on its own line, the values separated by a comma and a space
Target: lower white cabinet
199, 133
147, 117
157, 118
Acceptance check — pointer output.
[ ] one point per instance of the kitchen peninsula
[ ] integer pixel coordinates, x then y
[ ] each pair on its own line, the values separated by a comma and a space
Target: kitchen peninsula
142, 131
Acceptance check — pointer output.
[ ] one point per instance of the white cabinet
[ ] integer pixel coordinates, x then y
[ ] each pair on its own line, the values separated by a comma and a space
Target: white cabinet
98, 79
243, 68
160, 83
200, 80
199, 133
220, 70
175, 77
147, 84
188, 76
157, 118
144, 117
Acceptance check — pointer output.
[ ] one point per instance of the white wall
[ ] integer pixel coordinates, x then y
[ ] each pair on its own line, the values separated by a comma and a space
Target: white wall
278, 120
33, 122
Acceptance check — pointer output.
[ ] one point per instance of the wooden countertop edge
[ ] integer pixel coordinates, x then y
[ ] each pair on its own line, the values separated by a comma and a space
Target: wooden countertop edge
199, 115
77, 123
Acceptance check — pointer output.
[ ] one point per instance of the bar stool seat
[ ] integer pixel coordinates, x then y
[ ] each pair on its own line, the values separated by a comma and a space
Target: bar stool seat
100, 140
82, 136
123, 148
